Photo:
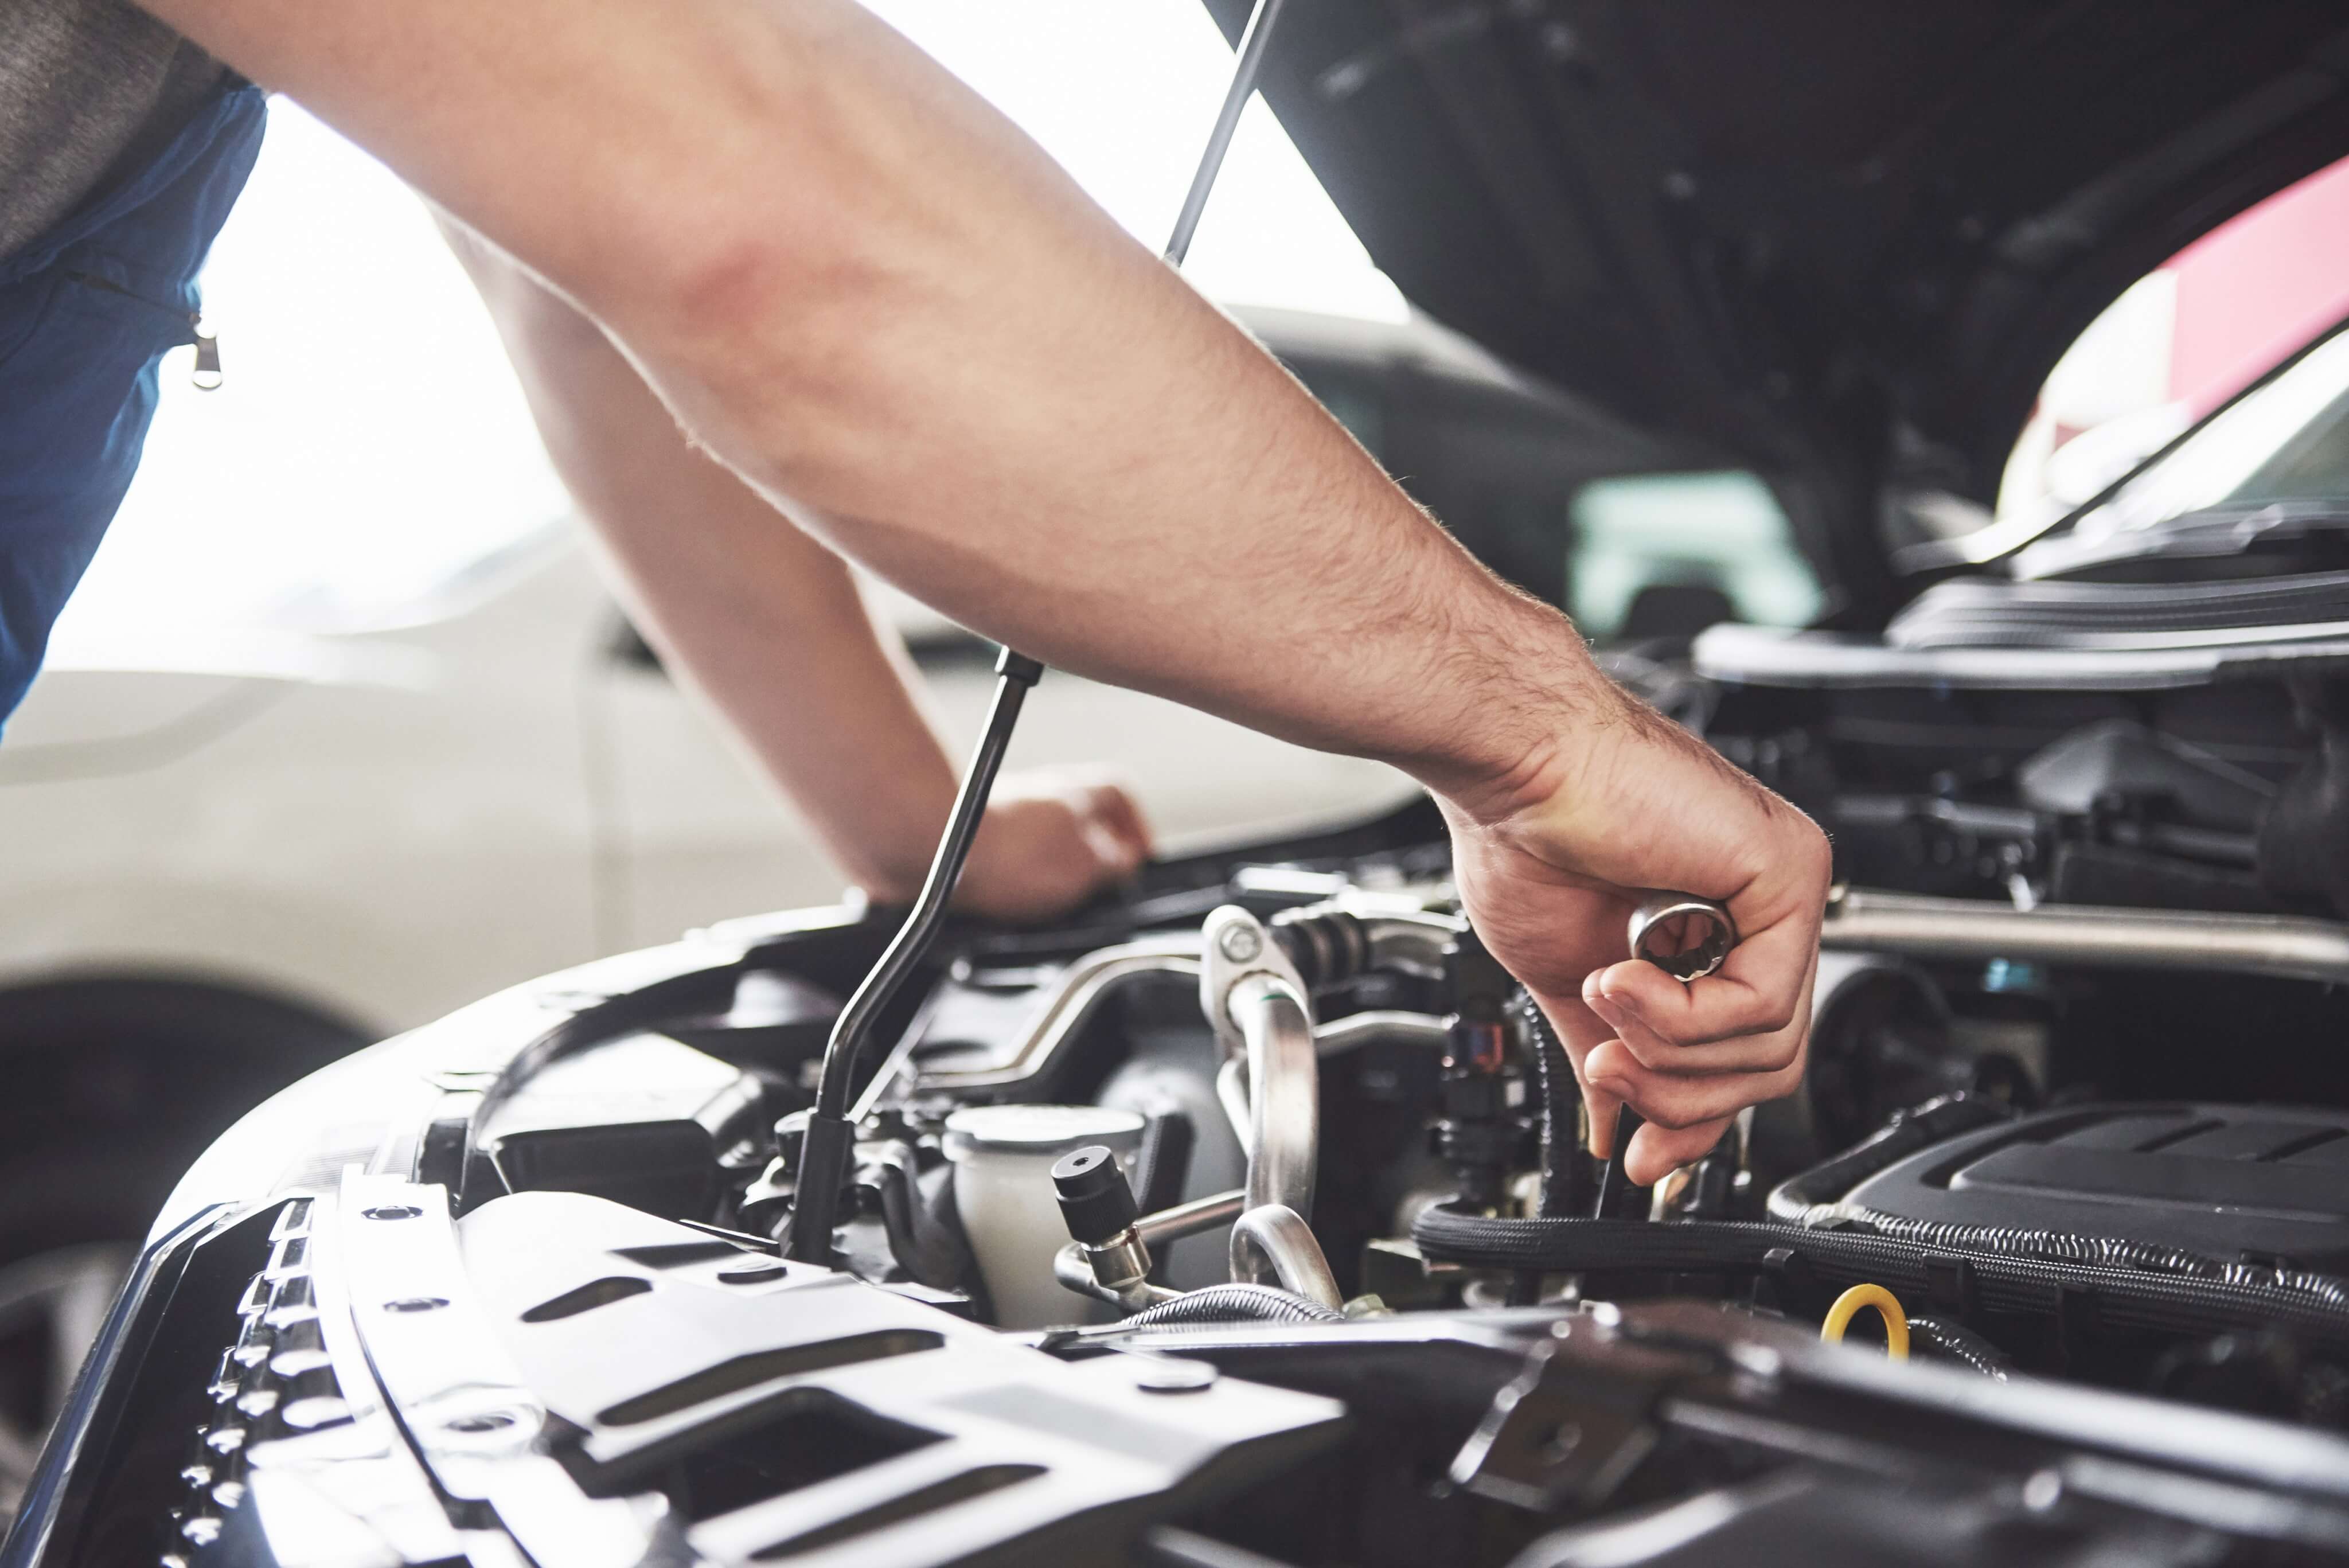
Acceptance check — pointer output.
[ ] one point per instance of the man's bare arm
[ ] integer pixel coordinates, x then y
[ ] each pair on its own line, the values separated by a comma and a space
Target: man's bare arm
882, 306
770, 628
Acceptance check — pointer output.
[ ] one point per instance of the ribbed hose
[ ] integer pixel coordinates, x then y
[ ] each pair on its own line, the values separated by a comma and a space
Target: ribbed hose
2126, 1297
2070, 1247
1562, 1184
1814, 1201
1947, 1341
1234, 1304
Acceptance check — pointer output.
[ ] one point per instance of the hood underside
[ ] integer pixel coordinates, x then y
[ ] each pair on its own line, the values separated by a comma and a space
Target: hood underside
1836, 241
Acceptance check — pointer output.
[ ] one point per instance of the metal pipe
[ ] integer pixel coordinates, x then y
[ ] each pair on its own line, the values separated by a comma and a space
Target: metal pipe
1232, 1094
1073, 1269
1081, 1269
1076, 996
1412, 943
1283, 1091
2286, 946
1358, 1029
1190, 1218
1272, 1239
1080, 992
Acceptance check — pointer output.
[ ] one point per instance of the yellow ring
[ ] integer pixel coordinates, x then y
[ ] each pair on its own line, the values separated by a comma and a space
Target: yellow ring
1887, 1307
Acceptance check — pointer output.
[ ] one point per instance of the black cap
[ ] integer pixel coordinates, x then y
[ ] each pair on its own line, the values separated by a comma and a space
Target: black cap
1095, 1202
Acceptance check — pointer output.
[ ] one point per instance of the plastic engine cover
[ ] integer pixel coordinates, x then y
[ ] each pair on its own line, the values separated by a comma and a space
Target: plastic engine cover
2262, 1184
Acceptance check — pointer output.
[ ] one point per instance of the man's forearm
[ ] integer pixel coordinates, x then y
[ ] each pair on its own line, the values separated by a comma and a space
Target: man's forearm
767, 622
886, 309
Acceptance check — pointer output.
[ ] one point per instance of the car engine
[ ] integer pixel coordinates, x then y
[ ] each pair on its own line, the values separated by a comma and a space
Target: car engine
1246, 1220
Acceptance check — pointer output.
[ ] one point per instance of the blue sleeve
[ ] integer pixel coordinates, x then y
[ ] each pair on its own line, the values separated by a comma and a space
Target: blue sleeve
86, 312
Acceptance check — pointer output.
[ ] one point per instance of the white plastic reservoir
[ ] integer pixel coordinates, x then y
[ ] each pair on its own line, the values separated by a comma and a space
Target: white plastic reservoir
1003, 1158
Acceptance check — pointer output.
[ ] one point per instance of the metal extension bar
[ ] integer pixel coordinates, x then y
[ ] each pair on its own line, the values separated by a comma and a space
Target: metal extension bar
2287, 946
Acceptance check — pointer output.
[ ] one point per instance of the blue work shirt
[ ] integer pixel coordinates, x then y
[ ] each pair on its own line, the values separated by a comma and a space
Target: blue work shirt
86, 312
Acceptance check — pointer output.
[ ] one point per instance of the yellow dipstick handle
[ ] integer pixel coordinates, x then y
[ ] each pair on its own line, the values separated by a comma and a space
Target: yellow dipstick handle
1887, 1307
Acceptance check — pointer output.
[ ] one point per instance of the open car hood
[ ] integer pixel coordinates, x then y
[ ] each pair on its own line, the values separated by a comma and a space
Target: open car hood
1836, 241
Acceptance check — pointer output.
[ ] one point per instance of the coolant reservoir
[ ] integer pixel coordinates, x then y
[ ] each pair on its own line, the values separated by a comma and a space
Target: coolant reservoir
1003, 1158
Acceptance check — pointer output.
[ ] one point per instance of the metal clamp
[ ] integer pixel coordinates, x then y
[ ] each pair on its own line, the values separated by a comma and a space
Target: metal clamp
1117, 1273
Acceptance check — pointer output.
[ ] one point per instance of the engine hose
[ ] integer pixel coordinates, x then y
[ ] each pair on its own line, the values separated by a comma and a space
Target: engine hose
1562, 1170
1813, 1200
2126, 1298
1233, 1303
1793, 1199
1942, 1340
2069, 1247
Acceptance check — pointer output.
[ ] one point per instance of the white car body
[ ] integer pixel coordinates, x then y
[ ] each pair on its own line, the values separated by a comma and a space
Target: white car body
379, 826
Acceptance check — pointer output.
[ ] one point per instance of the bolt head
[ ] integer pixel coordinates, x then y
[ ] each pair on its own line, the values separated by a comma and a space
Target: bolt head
1240, 943
1174, 1375
479, 1423
752, 1274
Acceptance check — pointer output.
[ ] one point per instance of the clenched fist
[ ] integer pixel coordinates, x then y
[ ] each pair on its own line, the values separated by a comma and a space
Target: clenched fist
1550, 870
1050, 840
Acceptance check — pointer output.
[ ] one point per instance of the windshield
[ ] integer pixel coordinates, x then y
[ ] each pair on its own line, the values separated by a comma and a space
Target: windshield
2282, 445
2287, 441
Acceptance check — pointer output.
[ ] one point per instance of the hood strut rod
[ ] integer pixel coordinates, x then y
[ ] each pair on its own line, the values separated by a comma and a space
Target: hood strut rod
831, 1136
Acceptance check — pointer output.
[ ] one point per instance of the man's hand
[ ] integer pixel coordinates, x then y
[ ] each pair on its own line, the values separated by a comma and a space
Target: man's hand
1550, 872
1049, 841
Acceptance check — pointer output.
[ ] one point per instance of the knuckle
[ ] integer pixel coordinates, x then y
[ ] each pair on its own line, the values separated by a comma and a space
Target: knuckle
1648, 1055
1727, 1031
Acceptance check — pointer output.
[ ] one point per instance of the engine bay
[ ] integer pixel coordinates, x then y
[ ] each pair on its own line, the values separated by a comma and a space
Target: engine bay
1249, 1221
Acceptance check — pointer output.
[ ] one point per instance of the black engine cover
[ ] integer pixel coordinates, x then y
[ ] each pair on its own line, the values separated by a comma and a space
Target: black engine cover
2265, 1184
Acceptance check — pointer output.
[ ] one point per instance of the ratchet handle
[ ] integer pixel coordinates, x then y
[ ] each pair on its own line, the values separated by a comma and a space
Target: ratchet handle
1686, 937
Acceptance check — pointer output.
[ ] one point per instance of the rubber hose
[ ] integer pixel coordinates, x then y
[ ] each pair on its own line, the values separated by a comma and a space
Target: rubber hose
2126, 1297
2070, 1247
1234, 1304
1561, 1150
1812, 1200
1792, 1200
1947, 1341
